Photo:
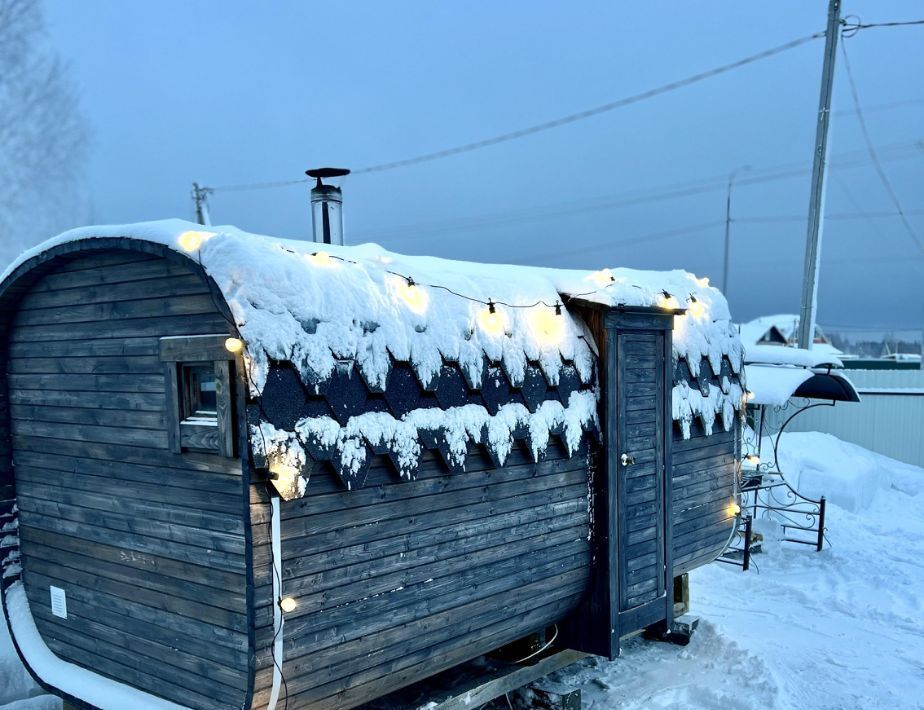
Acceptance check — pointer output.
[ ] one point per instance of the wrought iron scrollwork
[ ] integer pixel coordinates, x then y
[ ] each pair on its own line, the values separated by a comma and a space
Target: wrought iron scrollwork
765, 492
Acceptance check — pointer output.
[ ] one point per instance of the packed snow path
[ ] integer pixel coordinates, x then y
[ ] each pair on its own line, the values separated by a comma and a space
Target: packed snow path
837, 629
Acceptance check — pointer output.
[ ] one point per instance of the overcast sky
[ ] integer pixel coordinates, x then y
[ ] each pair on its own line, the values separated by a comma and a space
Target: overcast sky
234, 92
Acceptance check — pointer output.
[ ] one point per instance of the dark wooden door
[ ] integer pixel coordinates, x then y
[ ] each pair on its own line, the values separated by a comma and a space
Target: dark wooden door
642, 506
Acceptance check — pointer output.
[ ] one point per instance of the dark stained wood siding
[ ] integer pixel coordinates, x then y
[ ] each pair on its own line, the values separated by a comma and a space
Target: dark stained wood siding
148, 545
704, 488
400, 580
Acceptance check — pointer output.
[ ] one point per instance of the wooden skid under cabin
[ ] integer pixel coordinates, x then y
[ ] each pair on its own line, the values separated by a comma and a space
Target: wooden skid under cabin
184, 525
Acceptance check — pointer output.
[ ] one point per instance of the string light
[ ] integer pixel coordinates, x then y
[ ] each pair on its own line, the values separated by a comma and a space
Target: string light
192, 240
287, 604
749, 396
696, 308
322, 259
547, 324
601, 278
234, 345
492, 321
668, 302
733, 510
752, 459
413, 295
284, 478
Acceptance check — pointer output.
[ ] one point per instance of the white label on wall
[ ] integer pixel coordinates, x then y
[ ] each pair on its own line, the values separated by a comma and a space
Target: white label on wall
58, 602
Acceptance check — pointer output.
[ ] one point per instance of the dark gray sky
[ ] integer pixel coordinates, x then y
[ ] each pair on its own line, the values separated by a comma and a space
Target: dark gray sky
226, 93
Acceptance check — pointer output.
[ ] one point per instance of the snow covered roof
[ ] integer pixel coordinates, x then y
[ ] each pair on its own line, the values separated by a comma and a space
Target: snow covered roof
753, 332
486, 353
776, 355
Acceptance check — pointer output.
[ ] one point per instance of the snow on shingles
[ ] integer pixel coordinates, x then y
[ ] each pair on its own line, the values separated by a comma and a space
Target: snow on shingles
461, 426
290, 308
315, 314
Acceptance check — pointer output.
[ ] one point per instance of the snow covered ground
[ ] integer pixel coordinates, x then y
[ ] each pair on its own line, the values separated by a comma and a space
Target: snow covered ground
17, 690
838, 629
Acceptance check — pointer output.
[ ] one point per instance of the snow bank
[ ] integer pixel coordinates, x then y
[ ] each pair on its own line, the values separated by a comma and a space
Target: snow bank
17, 689
102, 692
847, 475
836, 630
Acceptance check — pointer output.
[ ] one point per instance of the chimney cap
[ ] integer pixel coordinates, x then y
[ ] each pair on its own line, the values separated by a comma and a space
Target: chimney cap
327, 172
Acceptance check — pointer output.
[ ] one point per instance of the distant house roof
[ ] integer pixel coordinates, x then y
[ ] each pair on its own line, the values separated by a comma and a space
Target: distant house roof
781, 330
355, 350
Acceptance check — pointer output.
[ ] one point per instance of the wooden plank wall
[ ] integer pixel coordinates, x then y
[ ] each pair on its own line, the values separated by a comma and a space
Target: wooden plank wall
400, 580
703, 488
148, 545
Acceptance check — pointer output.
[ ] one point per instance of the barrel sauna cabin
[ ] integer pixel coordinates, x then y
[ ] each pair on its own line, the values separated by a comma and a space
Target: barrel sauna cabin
239, 472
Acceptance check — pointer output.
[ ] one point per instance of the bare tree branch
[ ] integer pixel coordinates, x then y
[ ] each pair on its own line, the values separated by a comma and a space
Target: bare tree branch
44, 137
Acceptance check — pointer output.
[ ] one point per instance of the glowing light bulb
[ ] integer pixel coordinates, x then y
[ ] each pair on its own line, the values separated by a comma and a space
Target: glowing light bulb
192, 240
749, 396
696, 308
413, 295
492, 321
733, 510
601, 278
234, 345
322, 259
668, 302
547, 324
286, 480
287, 604
752, 459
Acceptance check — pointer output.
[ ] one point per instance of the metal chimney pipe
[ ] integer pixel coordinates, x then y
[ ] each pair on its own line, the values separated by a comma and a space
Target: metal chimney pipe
327, 206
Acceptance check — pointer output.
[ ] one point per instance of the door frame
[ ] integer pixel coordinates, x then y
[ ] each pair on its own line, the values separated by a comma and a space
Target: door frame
660, 610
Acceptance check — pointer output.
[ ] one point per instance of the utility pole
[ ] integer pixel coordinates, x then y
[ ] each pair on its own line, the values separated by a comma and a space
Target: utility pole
819, 169
200, 197
731, 180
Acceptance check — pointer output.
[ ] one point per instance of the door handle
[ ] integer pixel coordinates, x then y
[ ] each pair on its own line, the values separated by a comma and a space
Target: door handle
627, 460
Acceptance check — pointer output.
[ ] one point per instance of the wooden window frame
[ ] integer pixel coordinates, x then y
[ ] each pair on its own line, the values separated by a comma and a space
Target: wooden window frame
182, 354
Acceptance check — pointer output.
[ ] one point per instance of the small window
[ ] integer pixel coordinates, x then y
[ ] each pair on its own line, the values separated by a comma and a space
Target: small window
199, 400
199, 371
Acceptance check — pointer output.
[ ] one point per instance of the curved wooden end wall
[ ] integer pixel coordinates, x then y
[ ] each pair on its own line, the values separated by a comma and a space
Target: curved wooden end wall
704, 470
403, 579
149, 546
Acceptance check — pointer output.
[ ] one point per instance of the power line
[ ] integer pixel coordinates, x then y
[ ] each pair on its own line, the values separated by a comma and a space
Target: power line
903, 103
259, 185
588, 113
757, 219
630, 198
631, 240
549, 125
904, 23
872, 151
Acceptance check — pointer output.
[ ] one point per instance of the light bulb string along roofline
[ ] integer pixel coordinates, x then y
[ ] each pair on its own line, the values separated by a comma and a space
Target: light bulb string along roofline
492, 303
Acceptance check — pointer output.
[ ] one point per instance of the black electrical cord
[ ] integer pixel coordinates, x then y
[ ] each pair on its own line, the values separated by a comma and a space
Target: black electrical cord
547, 125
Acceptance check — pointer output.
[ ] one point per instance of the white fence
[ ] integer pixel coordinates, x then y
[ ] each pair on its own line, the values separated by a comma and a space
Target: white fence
889, 420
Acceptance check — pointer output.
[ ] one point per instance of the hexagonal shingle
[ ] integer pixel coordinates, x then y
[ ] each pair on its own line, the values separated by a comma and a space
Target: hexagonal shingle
403, 392
534, 388
346, 393
451, 390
